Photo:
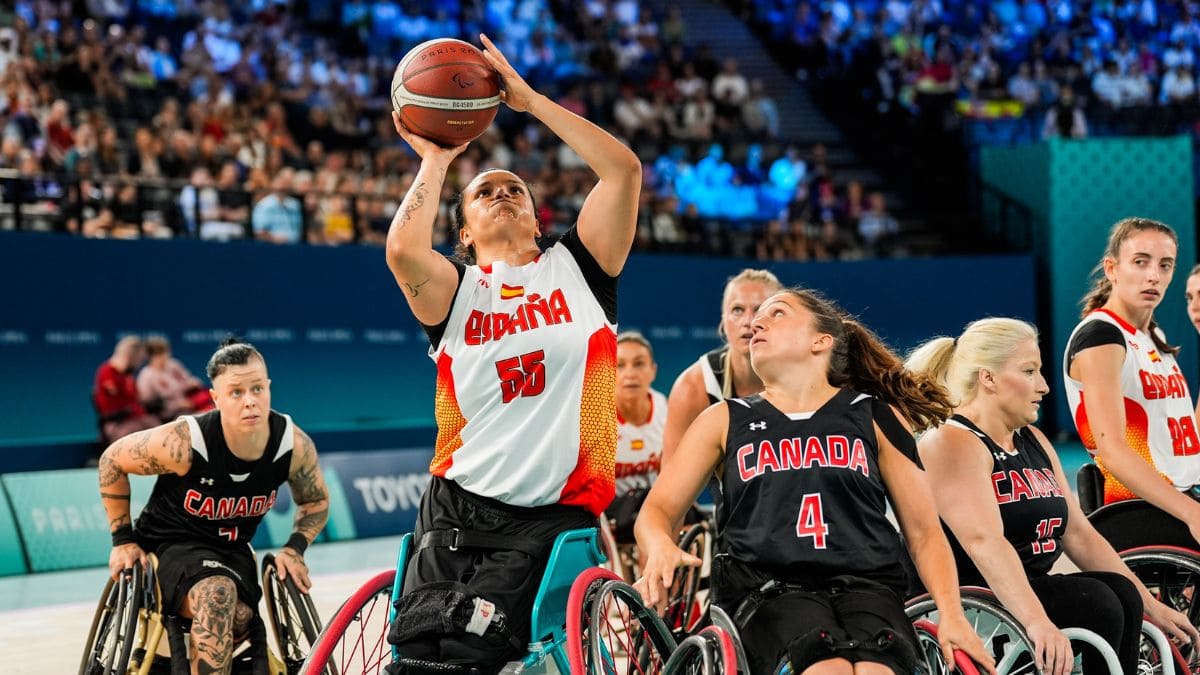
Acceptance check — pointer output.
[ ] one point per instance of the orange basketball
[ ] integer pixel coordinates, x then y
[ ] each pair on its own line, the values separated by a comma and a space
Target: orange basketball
445, 91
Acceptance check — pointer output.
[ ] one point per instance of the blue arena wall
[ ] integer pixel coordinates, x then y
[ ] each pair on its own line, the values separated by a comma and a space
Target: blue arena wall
345, 354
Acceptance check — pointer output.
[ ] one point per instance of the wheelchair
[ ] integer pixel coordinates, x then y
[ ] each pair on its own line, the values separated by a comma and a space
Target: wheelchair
1006, 640
585, 620
129, 623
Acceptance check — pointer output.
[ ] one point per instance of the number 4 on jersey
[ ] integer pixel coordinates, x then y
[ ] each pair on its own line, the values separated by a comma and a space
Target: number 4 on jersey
811, 522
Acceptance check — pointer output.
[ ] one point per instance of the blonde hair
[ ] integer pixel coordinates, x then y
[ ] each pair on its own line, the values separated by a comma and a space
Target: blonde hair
955, 363
748, 275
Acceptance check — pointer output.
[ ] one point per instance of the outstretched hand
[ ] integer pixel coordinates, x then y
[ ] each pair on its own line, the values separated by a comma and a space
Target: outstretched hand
425, 148
516, 93
658, 573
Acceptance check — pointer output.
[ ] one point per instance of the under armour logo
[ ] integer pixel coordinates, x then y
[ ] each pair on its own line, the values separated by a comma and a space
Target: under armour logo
758, 426
1000, 456
206, 481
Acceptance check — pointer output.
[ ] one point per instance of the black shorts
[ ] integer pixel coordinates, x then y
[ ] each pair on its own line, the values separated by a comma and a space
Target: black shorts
182, 565
842, 617
508, 578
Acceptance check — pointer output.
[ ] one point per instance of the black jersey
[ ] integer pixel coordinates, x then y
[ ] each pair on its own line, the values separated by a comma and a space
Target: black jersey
713, 369
803, 496
221, 499
1032, 506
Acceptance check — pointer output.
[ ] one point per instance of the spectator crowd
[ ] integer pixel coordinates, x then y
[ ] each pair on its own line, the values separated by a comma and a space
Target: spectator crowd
224, 120
1065, 66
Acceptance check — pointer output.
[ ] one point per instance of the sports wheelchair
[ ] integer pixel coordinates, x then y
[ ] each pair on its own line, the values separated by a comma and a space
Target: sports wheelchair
127, 629
585, 619
1010, 646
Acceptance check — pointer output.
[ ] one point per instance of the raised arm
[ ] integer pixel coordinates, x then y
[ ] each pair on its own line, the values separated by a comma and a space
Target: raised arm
908, 487
671, 496
1099, 370
163, 449
427, 278
962, 469
312, 510
684, 404
608, 219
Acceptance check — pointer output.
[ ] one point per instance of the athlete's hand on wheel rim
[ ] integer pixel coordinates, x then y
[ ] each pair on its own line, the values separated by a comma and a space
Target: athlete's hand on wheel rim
1052, 649
955, 632
124, 557
289, 562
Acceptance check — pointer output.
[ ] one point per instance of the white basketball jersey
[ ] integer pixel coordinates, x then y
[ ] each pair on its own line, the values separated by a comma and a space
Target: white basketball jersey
526, 386
639, 448
1160, 421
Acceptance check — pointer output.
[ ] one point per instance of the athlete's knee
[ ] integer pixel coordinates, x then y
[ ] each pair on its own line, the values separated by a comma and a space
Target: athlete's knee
213, 596
836, 666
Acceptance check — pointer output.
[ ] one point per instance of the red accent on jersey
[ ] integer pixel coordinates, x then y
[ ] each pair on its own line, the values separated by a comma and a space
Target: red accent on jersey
592, 484
1155, 386
481, 328
1121, 322
449, 417
797, 454
223, 508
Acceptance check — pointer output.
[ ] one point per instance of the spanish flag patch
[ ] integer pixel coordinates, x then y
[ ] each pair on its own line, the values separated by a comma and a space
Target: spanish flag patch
1154, 357
637, 444
509, 292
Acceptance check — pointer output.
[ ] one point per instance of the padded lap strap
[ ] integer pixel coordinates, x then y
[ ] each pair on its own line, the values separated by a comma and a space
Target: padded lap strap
455, 539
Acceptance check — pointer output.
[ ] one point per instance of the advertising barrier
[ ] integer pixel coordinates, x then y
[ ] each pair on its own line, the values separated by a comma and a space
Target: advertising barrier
58, 522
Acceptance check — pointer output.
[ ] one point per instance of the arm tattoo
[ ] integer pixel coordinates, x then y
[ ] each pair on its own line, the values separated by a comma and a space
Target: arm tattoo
306, 483
179, 442
417, 201
311, 524
113, 495
109, 472
119, 521
414, 291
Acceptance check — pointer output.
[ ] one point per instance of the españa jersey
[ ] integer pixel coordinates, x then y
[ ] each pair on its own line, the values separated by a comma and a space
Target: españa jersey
222, 498
1033, 509
526, 381
803, 495
1160, 421
639, 448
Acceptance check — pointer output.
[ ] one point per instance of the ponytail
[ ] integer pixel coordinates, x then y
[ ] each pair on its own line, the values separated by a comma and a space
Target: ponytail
862, 361
872, 368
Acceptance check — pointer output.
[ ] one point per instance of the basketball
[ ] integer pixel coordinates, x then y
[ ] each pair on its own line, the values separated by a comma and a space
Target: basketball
445, 91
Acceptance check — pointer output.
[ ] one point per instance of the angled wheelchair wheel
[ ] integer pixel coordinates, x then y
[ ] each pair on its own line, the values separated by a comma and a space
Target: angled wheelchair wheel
1171, 574
929, 652
609, 629
354, 641
291, 616
1002, 635
114, 627
608, 546
684, 609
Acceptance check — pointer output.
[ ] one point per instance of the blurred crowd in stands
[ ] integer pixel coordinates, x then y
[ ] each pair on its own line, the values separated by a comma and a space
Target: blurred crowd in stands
141, 386
1068, 68
268, 120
